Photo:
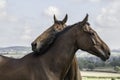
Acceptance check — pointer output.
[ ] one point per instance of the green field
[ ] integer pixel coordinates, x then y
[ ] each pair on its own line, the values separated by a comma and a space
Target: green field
88, 75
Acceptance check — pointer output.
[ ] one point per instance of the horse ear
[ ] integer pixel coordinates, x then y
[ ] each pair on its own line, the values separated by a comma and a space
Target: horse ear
55, 19
65, 19
85, 19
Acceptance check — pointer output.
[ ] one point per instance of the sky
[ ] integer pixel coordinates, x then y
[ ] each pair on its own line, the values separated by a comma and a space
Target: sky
21, 21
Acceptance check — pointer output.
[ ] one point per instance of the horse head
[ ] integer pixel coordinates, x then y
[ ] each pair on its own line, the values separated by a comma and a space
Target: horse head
59, 25
42, 42
88, 40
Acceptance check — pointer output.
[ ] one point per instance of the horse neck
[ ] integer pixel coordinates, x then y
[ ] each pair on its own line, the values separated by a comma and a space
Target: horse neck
60, 55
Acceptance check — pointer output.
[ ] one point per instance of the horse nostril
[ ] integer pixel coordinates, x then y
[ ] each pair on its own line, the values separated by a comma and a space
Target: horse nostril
34, 45
109, 53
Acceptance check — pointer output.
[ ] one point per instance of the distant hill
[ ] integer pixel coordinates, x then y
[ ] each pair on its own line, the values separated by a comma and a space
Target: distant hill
15, 49
25, 50
116, 50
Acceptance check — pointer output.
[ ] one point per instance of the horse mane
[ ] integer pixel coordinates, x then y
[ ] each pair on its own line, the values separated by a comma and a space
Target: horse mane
69, 27
52, 39
65, 30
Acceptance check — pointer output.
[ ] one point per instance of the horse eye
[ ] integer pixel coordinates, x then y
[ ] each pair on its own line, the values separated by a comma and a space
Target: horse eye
57, 26
92, 33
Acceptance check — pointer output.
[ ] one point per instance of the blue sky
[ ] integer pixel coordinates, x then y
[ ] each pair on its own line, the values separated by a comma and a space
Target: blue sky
21, 21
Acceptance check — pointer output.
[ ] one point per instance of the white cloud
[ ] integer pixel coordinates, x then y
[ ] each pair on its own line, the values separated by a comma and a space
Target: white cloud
109, 21
2, 4
110, 15
87, 1
51, 10
26, 37
94, 0
26, 32
2, 8
12, 18
4, 16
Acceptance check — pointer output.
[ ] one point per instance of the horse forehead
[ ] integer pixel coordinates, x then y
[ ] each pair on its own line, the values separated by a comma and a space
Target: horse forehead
90, 29
58, 22
88, 26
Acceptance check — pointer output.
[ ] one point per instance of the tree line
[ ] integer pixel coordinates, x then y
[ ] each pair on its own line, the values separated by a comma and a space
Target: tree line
91, 63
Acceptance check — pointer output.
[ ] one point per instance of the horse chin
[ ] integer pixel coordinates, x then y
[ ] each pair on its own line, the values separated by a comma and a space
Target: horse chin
103, 58
35, 50
38, 51
103, 55
99, 54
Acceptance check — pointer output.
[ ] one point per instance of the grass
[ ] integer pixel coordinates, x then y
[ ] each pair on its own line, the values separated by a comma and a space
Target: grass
88, 75
86, 78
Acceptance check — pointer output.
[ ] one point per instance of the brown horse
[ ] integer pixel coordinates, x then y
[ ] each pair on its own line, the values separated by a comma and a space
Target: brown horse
48, 37
56, 60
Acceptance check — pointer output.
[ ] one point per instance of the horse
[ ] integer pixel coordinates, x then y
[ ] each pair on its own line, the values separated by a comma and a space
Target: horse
53, 64
48, 36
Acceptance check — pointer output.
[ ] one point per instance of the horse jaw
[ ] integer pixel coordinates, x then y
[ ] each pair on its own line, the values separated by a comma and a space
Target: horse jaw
104, 55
